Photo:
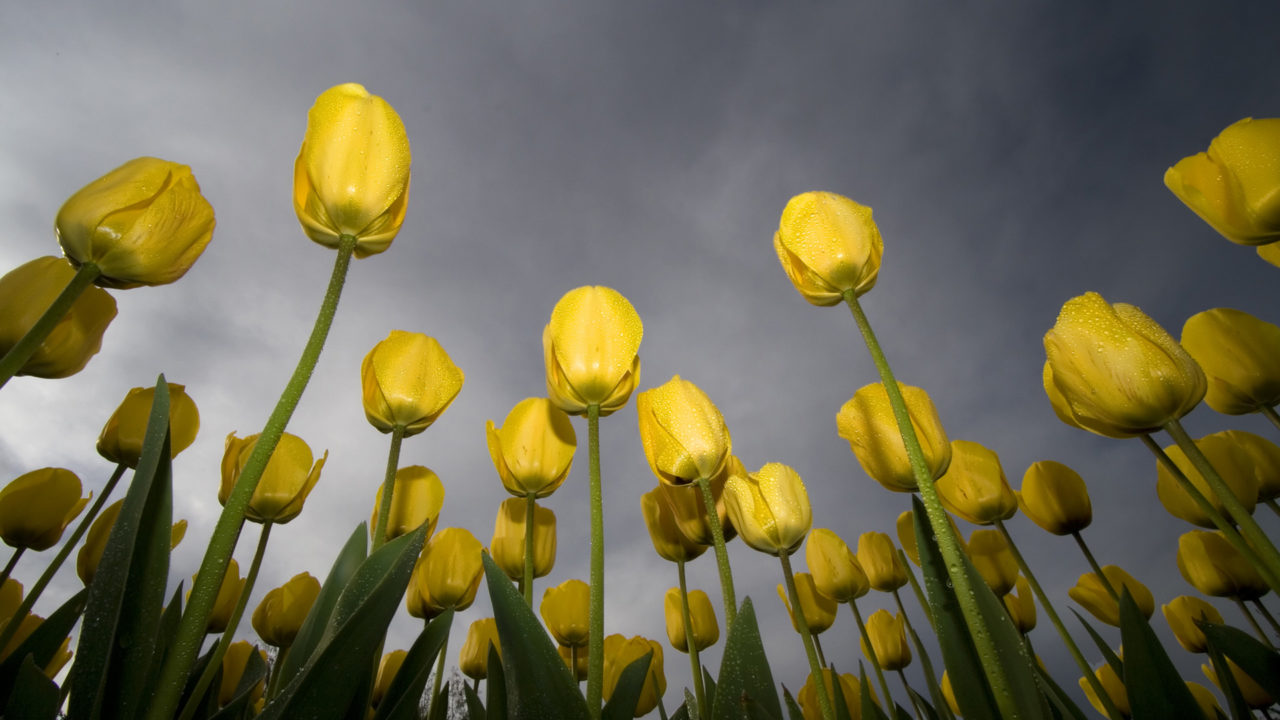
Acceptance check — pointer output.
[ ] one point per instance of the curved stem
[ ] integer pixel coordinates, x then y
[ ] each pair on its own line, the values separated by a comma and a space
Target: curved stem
18, 355
703, 710
595, 641
388, 488
915, 587
526, 585
815, 667
204, 592
722, 555
1097, 569
8, 568
870, 652
1253, 622
573, 663
1275, 627
907, 689
1271, 415
926, 665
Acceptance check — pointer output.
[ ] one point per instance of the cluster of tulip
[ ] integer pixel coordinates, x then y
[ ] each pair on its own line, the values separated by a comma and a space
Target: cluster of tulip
1109, 369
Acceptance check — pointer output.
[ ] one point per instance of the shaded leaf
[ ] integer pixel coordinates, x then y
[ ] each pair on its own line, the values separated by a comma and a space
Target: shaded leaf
1257, 660
1059, 702
744, 671
1156, 691
42, 644
475, 709
870, 709
1110, 655
626, 694
255, 671
401, 699
793, 708
34, 697
495, 686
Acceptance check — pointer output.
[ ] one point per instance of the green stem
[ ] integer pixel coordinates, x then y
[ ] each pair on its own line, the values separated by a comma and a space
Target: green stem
1097, 569
1274, 507
13, 361
595, 642
728, 596
8, 568
29, 601
1267, 552
204, 592
662, 710
1271, 415
573, 664
273, 686
215, 662
926, 665
815, 667
915, 587
703, 710
870, 651
526, 585
948, 544
817, 645
388, 489
1275, 627
435, 685
1049, 610
1253, 622
915, 707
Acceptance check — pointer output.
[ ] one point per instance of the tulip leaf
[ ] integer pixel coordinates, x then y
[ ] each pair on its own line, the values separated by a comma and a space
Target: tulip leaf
927, 710
495, 686
475, 708
208, 703
870, 708
1228, 685
1156, 691
538, 681
165, 632
401, 699
1059, 702
1257, 660
354, 634
255, 671
793, 710
744, 670
117, 643
440, 705
1110, 655
689, 708
35, 696
708, 687
42, 644
626, 694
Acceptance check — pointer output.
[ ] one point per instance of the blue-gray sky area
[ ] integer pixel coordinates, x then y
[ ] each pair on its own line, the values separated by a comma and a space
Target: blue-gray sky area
1012, 152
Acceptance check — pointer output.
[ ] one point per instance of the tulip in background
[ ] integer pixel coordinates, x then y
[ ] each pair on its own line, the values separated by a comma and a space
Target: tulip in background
817, 610
533, 450
37, 506
879, 560
228, 596
508, 546
619, 652
122, 436
689, 508
417, 498
994, 561
1270, 252
564, 609
702, 616
889, 639
682, 432
1091, 595
279, 615
834, 569
867, 422
1255, 696
1113, 686
849, 685
668, 541
1230, 459
828, 244
1266, 464
387, 669
26, 292
473, 660
1021, 606
591, 347
1237, 352
408, 380
770, 508
974, 487
449, 570
1209, 563
1055, 497
1235, 185
284, 485
233, 665
1182, 613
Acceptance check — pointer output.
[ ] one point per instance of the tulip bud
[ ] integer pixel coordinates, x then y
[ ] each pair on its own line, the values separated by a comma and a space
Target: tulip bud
26, 292
1182, 613
228, 595
689, 508
1266, 461
282, 611
836, 572
828, 244
576, 662
451, 571
879, 560
992, 558
122, 436
668, 541
889, 639
619, 653
352, 172
1055, 497
1090, 594
416, 498
1114, 688
1021, 606
408, 380
683, 433
1237, 352
387, 669
849, 686
474, 658
1255, 696
1234, 185
974, 486
701, 615
234, 663
36, 507
770, 508
590, 347
95, 541
144, 223
817, 610
285, 483
1232, 461
565, 609
1215, 568
507, 546
533, 450
868, 423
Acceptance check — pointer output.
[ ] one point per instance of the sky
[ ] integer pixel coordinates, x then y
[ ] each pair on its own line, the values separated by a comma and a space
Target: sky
1013, 155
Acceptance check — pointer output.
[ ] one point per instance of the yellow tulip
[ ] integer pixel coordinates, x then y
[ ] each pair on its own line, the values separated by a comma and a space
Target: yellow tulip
279, 616
533, 450
416, 498
1114, 371
228, 595
828, 244
1255, 696
387, 669
1055, 497
507, 546
701, 615
879, 560
95, 541
849, 686
1235, 186
888, 635
867, 422
565, 609
668, 541
992, 558
949, 694
60, 658
36, 507
682, 432
1237, 352
10, 599
451, 570
1209, 563
234, 663
1234, 464
590, 346
122, 436
1021, 606
1114, 687
284, 485
1270, 252
352, 173
770, 508
619, 652
1205, 699
835, 570
408, 380
1266, 461
906, 527
818, 610
26, 626
1182, 613
1092, 596
26, 292
578, 668
690, 509
474, 658
144, 223
974, 486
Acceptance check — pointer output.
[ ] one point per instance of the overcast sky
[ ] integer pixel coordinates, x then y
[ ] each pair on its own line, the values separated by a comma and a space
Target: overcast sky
1012, 153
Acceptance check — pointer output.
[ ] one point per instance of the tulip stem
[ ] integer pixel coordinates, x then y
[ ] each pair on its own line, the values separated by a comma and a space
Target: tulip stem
915, 587
1266, 551
1274, 507
817, 645
215, 662
1271, 415
595, 642
926, 665
948, 544
1049, 610
1275, 627
435, 685
690, 644
13, 361
526, 585
388, 487
1257, 629
273, 683
870, 652
802, 625
13, 561
722, 555
204, 592
1097, 569
30, 600
915, 707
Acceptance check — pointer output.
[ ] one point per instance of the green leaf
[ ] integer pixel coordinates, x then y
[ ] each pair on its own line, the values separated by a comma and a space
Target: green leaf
793, 709
1257, 660
35, 696
401, 699
930, 678
708, 687
626, 694
683, 712
1228, 685
255, 671
117, 643
927, 710
1156, 691
440, 705
495, 686
744, 670
475, 709
1059, 701
42, 644
1112, 658
870, 708
165, 633
538, 681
